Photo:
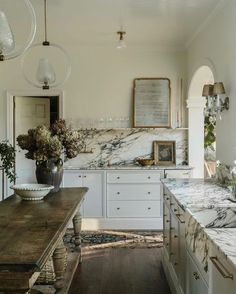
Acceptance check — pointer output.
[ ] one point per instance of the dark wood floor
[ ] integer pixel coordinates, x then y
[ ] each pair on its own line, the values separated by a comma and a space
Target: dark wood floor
116, 271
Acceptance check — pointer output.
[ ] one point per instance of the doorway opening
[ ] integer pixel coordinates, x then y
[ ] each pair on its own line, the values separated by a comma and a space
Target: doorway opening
27, 111
204, 75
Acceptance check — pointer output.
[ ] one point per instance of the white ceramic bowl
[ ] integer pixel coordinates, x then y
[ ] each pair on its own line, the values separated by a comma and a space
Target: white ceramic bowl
32, 192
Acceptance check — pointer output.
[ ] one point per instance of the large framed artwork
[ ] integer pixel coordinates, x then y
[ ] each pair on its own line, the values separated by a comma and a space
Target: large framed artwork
164, 152
151, 103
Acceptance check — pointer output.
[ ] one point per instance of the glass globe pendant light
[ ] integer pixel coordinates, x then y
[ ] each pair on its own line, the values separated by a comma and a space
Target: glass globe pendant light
121, 43
45, 76
7, 41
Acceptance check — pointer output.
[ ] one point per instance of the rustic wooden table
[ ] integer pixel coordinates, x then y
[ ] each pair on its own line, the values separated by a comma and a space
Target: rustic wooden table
31, 232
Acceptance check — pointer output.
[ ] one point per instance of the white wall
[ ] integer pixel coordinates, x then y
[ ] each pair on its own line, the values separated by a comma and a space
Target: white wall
101, 80
217, 43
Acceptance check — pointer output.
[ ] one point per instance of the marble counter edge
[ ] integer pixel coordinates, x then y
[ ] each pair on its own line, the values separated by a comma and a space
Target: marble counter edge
134, 167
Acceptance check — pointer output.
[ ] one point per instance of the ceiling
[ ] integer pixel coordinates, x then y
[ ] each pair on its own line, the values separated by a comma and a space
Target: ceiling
165, 23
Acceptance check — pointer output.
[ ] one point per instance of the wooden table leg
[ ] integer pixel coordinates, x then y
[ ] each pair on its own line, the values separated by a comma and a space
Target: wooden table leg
77, 222
59, 257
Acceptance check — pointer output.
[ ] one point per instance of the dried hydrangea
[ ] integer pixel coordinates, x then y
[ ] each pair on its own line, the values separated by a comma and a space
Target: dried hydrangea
43, 143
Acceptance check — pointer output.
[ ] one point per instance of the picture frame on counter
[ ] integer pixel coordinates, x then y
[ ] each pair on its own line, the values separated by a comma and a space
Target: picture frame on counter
164, 153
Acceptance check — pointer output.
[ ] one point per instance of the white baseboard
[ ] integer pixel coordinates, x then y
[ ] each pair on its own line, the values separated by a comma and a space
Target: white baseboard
122, 224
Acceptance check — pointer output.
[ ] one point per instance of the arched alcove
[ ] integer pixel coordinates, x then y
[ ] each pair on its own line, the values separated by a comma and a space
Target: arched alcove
196, 103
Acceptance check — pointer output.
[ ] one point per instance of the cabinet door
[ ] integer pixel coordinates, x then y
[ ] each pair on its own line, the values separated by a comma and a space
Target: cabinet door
222, 276
93, 203
195, 281
166, 228
174, 243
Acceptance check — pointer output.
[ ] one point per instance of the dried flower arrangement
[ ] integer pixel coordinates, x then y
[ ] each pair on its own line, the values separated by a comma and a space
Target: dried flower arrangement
44, 143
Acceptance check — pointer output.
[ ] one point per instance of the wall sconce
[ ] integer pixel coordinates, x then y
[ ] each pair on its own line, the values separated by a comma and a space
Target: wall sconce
215, 104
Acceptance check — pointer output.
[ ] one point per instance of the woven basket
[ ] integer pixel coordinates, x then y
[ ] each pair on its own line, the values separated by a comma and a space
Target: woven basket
47, 275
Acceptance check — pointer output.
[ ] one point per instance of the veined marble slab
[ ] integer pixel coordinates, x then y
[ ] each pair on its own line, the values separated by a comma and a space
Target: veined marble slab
128, 167
225, 241
119, 147
207, 206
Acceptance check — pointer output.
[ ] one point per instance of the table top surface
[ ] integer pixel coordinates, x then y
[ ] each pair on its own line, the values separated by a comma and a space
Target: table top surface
29, 230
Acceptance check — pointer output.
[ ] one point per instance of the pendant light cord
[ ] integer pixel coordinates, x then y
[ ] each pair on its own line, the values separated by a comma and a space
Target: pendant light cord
45, 42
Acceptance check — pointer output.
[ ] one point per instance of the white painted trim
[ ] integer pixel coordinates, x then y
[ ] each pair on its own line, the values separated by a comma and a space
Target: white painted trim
122, 224
205, 23
196, 102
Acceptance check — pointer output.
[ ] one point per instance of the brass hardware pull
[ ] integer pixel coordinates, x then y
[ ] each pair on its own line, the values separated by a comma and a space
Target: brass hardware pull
149, 208
221, 268
118, 178
85, 176
175, 210
118, 208
180, 220
175, 236
79, 176
167, 198
149, 193
167, 221
196, 276
118, 193
149, 178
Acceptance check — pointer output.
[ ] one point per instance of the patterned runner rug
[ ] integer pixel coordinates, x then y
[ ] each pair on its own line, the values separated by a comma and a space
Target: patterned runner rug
116, 239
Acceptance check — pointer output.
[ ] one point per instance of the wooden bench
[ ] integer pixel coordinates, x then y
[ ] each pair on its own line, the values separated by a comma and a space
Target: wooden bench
31, 232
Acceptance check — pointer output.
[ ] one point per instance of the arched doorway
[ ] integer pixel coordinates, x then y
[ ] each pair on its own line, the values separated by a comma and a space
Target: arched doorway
204, 75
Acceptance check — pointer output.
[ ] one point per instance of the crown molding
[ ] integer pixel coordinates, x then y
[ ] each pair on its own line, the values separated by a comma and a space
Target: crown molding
205, 24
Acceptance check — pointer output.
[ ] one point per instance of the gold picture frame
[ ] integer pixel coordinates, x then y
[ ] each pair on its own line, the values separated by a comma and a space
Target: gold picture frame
164, 153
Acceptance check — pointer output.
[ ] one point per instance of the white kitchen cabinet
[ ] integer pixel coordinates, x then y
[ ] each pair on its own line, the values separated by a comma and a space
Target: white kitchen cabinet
178, 173
134, 194
222, 276
93, 203
195, 282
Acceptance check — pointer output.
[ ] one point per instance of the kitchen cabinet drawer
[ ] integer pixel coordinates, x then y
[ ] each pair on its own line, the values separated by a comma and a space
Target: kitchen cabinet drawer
132, 209
222, 276
178, 174
134, 177
134, 191
195, 282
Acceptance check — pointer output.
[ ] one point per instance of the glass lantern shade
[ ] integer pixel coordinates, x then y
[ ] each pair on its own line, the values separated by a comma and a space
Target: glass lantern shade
7, 42
45, 72
121, 44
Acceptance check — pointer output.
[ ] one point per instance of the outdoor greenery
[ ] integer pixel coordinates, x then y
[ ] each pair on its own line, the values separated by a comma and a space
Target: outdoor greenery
7, 156
209, 133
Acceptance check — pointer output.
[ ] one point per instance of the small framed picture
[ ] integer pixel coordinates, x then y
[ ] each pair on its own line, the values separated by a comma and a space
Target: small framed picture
164, 152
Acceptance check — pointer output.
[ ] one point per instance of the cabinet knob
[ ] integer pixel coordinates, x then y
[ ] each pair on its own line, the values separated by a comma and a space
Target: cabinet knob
175, 236
149, 208
118, 193
167, 221
85, 176
175, 210
149, 193
149, 177
79, 176
167, 198
118, 208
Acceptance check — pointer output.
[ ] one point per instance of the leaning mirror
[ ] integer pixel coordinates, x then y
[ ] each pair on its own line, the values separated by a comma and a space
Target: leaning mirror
151, 100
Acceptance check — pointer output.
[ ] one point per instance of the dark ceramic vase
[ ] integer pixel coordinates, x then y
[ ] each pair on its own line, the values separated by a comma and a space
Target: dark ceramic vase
50, 172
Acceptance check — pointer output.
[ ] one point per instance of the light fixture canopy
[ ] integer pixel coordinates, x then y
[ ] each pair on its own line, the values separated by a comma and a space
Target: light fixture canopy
7, 40
45, 74
121, 43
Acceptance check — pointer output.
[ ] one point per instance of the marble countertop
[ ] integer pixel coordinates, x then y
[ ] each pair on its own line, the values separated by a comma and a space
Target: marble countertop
198, 193
209, 213
128, 167
225, 241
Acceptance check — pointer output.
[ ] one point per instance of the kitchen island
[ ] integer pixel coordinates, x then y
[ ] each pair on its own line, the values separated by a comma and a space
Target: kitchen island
199, 221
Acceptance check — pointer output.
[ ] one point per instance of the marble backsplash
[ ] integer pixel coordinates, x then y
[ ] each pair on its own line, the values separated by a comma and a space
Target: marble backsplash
123, 146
